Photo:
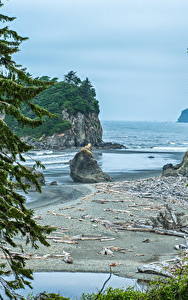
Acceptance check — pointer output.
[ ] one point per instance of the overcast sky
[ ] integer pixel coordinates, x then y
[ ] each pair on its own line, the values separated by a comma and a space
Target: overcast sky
133, 51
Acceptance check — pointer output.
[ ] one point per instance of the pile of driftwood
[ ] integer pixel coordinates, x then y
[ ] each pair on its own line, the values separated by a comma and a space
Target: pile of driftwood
65, 256
167, 222
165, 268
168, 219
81, 237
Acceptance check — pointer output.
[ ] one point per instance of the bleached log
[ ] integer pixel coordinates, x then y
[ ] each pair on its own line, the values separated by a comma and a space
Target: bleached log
106, 251
65, 241
155, 230
123, 211
153, 269
103, 201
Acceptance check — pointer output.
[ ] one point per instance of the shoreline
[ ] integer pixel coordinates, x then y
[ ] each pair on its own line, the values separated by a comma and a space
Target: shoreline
87, 225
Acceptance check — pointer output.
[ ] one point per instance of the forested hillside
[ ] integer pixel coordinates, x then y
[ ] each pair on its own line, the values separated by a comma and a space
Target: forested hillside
72, 94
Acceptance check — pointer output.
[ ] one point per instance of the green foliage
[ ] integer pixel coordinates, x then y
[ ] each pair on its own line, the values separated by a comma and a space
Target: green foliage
16, 88
72, 94
170, 289
117, 294
46, 296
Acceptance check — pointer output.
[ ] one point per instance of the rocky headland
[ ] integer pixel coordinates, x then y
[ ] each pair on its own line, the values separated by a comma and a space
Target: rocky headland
76, 117
84, 129
183, 118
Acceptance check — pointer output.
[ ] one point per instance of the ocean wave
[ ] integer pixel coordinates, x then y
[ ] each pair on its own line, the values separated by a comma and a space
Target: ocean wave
55, 166
48, 162
53, 156
170, 149
40, 153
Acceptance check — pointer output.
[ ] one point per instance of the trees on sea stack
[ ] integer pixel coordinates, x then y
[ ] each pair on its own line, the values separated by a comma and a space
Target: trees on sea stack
16, 221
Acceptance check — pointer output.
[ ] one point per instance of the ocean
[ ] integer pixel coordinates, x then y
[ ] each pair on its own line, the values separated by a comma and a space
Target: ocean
150, 145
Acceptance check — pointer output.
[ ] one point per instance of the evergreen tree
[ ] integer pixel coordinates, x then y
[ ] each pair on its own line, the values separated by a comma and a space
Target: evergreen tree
87, 91
72, 78
16, 87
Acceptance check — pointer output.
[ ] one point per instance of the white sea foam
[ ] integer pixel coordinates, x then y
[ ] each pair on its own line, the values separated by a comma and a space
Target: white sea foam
55, 166
170, 149
39, 153
48, 162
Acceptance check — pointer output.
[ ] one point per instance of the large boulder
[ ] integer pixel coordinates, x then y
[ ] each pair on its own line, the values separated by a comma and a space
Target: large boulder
177, 170
84, 168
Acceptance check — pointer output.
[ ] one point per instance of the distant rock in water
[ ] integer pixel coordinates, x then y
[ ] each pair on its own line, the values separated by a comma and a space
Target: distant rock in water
184, 116
84, 168
177, 170
110, 145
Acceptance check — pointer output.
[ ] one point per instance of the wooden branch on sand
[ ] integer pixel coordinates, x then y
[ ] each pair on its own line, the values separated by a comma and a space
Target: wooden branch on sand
103, 201
65, 256
155, 230
81, 237
116, 211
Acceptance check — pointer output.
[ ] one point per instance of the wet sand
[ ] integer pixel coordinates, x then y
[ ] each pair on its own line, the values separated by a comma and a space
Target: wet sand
83, 212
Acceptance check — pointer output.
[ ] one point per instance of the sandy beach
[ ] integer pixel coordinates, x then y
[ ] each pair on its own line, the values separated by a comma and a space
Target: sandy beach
90, 218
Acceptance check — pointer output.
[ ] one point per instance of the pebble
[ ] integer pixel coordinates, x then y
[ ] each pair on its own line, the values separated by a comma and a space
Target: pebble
169, 188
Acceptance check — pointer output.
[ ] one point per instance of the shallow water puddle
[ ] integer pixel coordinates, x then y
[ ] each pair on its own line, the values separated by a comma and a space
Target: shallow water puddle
73, 285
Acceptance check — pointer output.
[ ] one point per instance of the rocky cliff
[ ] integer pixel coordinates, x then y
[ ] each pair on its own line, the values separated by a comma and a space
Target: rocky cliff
184, 116
85, 128
75, 123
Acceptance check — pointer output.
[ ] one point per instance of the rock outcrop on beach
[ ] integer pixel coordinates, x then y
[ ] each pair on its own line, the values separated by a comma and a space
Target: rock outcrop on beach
177, 170
84, 168
85, 128
184, 116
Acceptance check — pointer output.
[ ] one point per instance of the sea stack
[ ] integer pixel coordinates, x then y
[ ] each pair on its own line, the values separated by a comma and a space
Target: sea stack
85, 169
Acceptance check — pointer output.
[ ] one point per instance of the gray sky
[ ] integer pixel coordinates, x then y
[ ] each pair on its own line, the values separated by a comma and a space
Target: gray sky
133, 51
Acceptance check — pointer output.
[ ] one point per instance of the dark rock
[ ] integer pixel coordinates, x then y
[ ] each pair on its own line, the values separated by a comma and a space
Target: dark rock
177, 170
84, 168
151, 156
184, 116
53, 183
109, 145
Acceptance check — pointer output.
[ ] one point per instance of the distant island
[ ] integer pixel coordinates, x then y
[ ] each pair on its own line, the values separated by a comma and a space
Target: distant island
183, 117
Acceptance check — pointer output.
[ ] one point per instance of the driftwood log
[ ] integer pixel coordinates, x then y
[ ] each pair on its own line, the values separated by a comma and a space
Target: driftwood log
153, 269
